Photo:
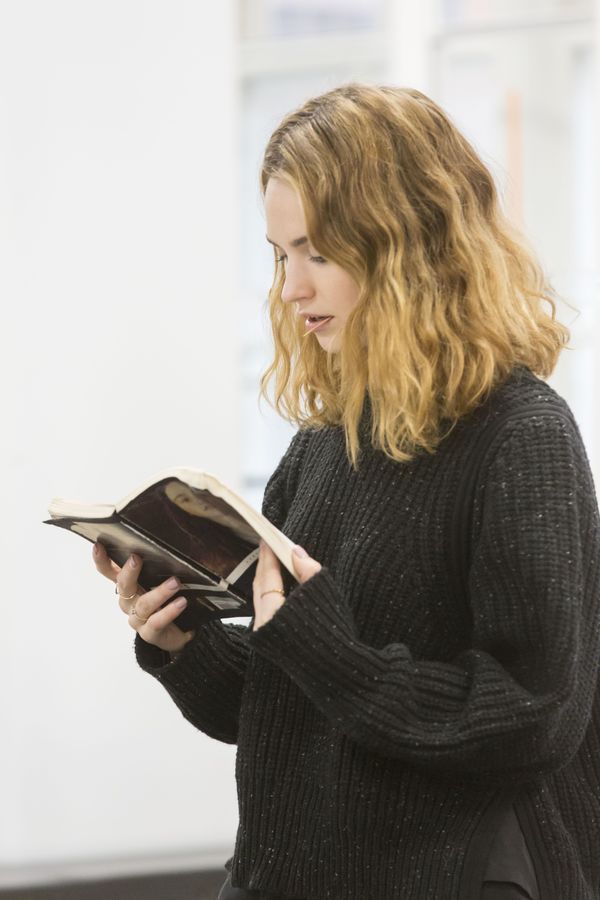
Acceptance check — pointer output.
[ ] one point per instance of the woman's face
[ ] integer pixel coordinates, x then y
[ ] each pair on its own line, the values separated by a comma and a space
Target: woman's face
315, 286
183, 497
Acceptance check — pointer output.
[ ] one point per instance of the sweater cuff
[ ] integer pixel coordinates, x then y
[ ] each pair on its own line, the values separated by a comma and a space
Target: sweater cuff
149, 657
159, 662
311, 634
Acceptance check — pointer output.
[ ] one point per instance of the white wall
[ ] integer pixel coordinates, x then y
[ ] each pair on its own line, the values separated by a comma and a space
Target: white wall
118, 231
526, 98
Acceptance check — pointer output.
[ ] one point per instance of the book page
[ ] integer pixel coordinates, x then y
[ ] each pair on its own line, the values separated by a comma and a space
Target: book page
242, 513
193, 522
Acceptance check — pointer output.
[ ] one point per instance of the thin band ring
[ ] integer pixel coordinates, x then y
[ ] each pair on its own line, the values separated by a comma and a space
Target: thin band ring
122, 596
273, 591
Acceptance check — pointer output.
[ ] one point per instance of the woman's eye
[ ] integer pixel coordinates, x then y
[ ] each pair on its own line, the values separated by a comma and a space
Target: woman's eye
315, 259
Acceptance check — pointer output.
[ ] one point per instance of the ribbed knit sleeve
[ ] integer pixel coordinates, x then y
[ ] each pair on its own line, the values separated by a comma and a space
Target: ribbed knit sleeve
206, 679
517, 702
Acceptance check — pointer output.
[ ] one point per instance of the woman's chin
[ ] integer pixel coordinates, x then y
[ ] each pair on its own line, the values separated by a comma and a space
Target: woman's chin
329, 343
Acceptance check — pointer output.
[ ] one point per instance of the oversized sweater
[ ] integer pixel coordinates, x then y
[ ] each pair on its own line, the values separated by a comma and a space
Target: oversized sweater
384, 721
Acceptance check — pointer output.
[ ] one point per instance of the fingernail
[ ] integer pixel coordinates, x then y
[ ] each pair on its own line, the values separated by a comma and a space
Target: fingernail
173, 583
180, 602
96, 550
300, 551
132, 562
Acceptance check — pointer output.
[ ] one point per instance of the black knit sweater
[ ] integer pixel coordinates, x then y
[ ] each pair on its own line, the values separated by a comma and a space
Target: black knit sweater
384, 723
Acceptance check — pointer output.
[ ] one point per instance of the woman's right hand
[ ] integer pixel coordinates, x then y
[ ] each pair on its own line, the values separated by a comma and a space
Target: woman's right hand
155, 625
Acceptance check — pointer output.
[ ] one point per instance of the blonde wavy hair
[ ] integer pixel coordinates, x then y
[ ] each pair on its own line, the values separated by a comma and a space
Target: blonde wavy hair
451, 298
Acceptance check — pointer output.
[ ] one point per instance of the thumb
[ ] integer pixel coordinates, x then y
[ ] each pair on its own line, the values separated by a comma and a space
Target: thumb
304, 565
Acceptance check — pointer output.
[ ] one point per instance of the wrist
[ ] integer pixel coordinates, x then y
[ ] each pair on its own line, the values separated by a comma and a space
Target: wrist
175, 653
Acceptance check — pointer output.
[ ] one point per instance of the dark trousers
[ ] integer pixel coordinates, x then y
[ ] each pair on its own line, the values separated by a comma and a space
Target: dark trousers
491, 890
503, 890
228, 892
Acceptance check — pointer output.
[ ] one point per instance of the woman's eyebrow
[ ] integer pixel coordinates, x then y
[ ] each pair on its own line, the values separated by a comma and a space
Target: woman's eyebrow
297, 242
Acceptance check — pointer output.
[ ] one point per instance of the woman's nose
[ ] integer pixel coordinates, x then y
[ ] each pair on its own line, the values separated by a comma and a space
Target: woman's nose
295, 287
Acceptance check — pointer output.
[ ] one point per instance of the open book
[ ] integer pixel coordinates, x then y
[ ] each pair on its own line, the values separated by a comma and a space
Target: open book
187, 523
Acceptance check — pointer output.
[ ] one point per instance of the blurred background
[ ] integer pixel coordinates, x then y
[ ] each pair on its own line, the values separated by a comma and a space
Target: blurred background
133, 281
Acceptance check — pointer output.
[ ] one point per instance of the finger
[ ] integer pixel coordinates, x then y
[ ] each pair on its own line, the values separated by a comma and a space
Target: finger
160, 620
151, 601
305, 567
127, 584
266, 550
104, 563
269, 561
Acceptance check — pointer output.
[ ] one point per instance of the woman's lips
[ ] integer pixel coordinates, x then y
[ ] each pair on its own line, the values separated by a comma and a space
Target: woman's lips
314, 326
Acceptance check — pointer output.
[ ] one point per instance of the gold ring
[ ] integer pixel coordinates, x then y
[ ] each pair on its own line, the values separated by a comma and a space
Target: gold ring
273, 591
122, 596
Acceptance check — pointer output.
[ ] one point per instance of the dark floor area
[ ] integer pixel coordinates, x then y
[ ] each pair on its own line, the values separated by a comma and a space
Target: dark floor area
187, 886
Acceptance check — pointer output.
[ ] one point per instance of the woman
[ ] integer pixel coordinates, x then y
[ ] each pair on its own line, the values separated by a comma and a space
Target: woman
398, 737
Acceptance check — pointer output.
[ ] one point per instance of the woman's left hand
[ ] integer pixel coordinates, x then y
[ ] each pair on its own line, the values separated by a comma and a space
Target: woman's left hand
268, 576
